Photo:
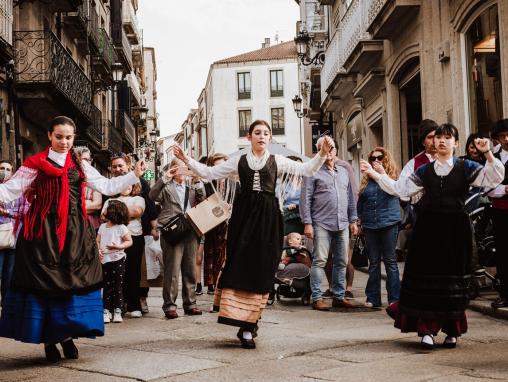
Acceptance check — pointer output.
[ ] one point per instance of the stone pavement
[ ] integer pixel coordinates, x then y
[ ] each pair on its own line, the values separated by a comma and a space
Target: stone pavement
295, 344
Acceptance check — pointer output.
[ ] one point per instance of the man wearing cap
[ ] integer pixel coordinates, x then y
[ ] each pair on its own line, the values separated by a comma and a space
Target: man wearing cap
499, 197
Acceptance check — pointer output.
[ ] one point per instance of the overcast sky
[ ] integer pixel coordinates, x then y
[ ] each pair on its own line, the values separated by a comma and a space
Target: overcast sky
189, 35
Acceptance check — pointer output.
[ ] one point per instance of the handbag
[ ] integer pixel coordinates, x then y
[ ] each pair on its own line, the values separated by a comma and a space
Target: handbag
209, 213
359, 258
178, 226
7, 239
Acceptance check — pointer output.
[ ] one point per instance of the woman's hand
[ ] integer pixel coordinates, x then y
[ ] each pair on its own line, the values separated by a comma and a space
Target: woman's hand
180, 154
139, 168
378, 166
326, 146
482, 144
365, 166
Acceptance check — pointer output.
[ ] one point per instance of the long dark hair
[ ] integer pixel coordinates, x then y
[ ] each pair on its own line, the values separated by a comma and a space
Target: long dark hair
259, 122
63, 120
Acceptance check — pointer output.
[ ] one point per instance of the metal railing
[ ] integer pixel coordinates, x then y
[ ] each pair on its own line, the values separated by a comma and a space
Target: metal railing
353, 27
126, 125
135, 87
129, 18
106, 48
94, 131
373, 9
94, 26
6, 20
112, 137
41, 58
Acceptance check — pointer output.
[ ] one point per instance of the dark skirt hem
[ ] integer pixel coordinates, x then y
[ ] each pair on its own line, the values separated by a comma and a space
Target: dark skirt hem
232, 322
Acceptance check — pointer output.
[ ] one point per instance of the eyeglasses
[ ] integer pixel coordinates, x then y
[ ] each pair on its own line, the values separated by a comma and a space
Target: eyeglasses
374, 158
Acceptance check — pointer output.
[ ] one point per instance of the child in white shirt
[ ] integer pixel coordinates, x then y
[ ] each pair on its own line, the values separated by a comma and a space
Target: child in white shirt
112, 238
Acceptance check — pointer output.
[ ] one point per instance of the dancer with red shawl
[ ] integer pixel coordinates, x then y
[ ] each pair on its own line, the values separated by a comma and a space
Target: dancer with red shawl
55, 294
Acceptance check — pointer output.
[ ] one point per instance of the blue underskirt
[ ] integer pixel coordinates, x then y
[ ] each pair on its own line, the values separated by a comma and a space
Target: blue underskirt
37, 319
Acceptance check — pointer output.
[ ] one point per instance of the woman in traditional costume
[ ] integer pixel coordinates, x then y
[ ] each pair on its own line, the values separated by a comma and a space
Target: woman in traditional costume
434, 290
55, 294
255, 230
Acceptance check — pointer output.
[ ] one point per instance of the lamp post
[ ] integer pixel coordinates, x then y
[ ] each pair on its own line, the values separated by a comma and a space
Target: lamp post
297, 106
302, 42
117, 73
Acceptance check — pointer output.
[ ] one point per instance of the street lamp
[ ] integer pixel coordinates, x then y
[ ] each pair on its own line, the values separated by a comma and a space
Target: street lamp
117, 73
302, 42
297, 106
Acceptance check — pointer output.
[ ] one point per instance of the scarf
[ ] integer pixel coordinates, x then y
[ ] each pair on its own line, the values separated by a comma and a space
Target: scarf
256, 163
50, 185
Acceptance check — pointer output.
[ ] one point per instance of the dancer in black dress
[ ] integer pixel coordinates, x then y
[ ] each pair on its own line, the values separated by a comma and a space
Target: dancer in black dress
434, 290
255, 230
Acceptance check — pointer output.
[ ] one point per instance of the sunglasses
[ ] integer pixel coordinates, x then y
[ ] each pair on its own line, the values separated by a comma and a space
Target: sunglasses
374, 158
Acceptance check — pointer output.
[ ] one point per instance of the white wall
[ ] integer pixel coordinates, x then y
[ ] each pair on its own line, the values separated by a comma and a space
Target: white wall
226, 103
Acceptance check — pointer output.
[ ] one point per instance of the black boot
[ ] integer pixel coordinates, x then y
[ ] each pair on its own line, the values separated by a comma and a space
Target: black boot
69, 349
52, 353
246, 344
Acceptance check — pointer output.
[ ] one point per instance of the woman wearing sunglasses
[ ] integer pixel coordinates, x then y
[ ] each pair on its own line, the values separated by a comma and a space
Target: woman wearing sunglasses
379, 213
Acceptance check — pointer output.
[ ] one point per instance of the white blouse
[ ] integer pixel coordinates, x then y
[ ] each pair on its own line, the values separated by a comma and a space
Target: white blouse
23, 178
489, 177
229, 169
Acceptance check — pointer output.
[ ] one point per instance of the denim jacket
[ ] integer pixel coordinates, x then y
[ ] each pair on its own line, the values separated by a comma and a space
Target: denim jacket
376, 208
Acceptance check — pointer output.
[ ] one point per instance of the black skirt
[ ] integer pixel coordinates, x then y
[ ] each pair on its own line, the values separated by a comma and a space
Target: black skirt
437, 273
254, 243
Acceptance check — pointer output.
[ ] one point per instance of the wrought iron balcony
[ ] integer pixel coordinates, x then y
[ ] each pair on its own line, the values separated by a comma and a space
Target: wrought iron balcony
388, 17
135, 88
94, 131
112, 138
126, 125
106, 56
42, 63
123, 48
332, 65
94, 28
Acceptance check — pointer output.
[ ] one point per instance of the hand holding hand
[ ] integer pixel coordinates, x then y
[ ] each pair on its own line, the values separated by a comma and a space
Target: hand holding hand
139, 168
354, 229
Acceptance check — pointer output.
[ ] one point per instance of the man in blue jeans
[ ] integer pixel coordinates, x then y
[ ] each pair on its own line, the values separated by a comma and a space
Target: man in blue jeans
328, 209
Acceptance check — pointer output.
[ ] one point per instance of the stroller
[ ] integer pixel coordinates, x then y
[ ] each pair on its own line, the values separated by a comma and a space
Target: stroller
294, 280
478, 207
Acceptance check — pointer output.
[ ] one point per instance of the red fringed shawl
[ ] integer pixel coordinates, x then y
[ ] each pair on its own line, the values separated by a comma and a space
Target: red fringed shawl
51, 185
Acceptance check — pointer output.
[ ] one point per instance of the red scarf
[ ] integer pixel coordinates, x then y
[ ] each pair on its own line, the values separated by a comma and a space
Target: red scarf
50, 185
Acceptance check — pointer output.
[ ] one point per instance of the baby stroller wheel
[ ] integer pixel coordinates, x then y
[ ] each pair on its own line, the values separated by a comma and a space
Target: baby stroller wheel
277, 294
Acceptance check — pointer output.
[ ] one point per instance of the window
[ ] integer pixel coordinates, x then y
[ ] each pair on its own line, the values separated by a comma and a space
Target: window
243, 85
278, 121
276, 83
244, 119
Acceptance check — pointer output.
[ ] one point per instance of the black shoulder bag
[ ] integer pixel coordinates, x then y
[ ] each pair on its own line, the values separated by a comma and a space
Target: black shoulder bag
178, 226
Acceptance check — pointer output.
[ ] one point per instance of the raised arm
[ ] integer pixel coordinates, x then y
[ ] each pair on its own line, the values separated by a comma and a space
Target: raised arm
309, 168
107, 186
16, 186
224, 170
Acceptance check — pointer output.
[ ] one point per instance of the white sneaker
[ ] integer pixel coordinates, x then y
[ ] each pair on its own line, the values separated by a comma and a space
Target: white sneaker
368, 305
134, 314
107, 316
117, 316
428, 341
144, 305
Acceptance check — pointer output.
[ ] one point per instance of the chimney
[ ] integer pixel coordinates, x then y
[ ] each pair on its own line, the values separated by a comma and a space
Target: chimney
267, 42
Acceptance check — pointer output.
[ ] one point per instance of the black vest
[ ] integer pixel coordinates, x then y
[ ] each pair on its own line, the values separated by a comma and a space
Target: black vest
267, 175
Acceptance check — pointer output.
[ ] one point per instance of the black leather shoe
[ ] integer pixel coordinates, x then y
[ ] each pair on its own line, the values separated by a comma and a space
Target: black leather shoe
52, 353
246, 344
501, 302
70, 350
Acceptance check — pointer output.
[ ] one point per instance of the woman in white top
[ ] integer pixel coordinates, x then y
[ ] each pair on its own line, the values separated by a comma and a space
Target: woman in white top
136, 206
434, 290
57, 268
255, 230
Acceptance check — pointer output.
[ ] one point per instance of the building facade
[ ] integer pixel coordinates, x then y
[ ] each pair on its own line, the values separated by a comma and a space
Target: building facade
79, 58
240, 89
391, 63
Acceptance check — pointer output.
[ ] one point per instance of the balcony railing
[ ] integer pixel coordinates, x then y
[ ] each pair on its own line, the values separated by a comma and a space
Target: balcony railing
94, 131
374, 8
94, 27
353, 27
332, 65
106, 49
42, 59
127, 126
130, 22
6, 20
112, 137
